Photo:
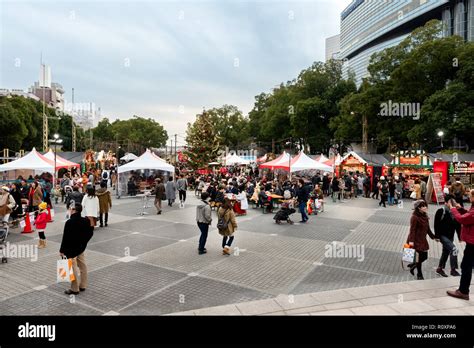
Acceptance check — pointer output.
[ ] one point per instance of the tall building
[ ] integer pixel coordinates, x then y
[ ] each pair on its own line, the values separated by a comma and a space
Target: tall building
369, 26
333, 47
50, 92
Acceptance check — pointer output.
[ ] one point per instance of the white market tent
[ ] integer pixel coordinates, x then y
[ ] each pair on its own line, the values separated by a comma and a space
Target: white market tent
234, 159
129, 157
303, 162
60, 162
148, 160
31, 161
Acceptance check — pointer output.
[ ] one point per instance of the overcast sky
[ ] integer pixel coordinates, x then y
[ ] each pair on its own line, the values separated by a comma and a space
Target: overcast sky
164, 59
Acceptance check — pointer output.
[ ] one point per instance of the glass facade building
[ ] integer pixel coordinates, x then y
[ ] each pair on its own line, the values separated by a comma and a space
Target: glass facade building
369, 26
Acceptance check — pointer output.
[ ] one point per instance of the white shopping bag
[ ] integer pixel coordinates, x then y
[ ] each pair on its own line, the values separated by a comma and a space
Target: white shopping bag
52, 213
408, 255
64, 271
22, 223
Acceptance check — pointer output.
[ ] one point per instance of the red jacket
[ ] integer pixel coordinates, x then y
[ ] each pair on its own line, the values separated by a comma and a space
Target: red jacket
41, 220
466, 219
419, 229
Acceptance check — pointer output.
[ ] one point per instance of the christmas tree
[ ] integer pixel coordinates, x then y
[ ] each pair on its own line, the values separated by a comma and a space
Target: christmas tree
203, 142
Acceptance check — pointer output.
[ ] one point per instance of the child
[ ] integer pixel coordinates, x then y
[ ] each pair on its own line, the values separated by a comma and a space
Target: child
40, 223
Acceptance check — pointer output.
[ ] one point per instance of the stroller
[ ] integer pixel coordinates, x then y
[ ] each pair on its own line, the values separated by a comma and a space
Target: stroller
284, 214
3, 238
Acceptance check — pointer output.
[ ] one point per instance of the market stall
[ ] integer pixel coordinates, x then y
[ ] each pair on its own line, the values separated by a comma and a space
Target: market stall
281, 162
411, 163
303, 162
33, 161
60, 161
147, 161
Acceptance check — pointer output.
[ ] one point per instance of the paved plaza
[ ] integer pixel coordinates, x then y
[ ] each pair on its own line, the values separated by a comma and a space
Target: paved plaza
149, 265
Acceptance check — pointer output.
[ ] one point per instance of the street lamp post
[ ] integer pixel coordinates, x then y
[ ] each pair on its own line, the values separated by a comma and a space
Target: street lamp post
441, 134
56, 142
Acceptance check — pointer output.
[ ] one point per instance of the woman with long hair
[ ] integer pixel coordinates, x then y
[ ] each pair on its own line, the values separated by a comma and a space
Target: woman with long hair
226, 214
90, 205
419, 228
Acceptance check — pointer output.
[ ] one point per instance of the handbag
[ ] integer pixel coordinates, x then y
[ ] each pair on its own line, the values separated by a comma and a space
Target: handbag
64, 272
408, 255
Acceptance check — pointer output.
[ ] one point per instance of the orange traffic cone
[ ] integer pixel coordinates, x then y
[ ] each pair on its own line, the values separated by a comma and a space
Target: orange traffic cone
27, 228
49, 215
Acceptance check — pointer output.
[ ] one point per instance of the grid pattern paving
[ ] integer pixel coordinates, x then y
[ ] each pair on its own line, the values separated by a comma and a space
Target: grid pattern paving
166, 274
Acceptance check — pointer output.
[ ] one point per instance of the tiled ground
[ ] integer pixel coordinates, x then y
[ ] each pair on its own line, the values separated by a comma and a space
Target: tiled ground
165, 273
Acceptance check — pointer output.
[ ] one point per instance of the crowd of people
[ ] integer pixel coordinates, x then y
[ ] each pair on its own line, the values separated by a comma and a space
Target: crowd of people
229, 192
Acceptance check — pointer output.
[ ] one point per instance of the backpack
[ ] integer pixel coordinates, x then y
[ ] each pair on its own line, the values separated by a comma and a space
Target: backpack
105, 176
221, 223
384, 188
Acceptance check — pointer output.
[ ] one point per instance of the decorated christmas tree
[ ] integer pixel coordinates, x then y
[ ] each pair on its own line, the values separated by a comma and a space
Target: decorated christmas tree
203, 142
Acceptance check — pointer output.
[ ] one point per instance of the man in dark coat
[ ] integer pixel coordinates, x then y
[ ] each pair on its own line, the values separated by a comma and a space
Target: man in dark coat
159, 195
77, 233
302, 194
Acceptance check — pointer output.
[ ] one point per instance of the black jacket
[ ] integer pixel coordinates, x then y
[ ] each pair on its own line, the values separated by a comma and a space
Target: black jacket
445, 224
303, 194
77, 233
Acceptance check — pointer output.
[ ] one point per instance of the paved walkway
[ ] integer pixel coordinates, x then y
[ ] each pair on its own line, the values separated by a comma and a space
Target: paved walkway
149, 265
426, 297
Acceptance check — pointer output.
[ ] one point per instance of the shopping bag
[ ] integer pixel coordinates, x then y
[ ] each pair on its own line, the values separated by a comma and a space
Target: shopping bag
64, 271
413, 195
22, 223
52, 213
408, 255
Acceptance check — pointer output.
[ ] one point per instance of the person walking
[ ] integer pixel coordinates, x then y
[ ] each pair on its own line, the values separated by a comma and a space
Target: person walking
90, 206
302, 195
367, 186
226, 225
445, 226
466, 219
335, 189
457, 190
419, 228
417, 189
41, 221
105, 203
18, 209
383, 187
182, 186
375, 188
170, 191
77, 233
326, 184
204, 219
7, 204
391, 192
159, 195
